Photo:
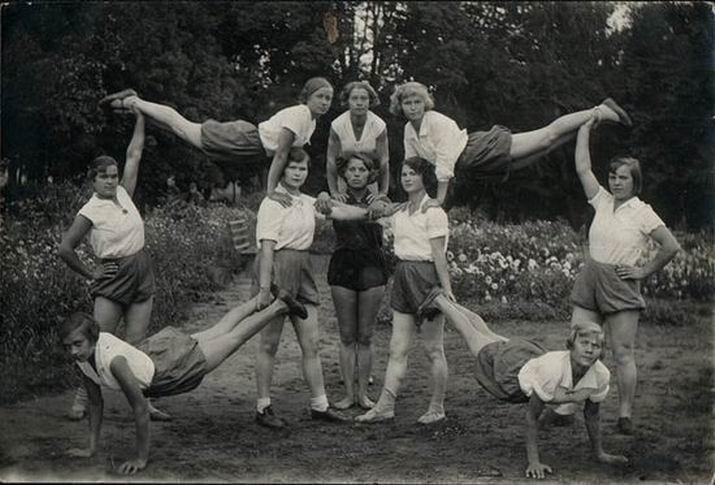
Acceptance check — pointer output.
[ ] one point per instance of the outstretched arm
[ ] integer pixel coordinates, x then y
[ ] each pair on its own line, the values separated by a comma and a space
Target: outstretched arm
331, 166
134, 154
535, 469
583, 161
383, 154
265, 273
440, 264
591, 419
96, 410
280, 159
132, 391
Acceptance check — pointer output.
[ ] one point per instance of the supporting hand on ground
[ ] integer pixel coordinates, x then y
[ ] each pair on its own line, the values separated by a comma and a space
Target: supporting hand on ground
537, 470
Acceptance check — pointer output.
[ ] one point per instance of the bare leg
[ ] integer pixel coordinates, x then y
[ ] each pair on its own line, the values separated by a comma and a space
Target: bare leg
166, 116
368, 307
470, 325
531, 142
137, 319
581, 314
218, 347
228, 321
433, 335
403, 330
346, 310
623, 327
266, 355
307, 332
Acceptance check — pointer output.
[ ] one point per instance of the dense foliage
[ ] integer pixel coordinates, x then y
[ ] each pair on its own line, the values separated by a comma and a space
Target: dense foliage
516, 64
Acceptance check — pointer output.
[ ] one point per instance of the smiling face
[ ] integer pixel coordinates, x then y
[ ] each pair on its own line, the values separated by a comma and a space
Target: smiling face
295, 174
78, 346
413, 107
319, 102
620, 182
105, 182
411, 180
356, 174
586, 349
359, 101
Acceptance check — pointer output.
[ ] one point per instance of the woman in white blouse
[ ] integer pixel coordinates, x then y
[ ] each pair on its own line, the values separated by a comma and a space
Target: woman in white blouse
497, 152
358, 130
608, 288
122, 284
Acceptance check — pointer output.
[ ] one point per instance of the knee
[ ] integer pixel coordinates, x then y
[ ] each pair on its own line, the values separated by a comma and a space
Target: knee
309, 347
347, 336
624, 353
435, 352
268, 346
364, 338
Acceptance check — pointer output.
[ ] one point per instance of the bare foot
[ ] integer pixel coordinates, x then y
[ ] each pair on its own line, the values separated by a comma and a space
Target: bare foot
431, 416
158, 415
345, 403
365, 402
376, 415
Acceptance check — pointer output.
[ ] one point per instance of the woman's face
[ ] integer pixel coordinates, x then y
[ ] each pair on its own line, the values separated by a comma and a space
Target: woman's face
359, 101
413, 107
356, 174
106, 181
295, 174
319, 102
411, 180
620, 183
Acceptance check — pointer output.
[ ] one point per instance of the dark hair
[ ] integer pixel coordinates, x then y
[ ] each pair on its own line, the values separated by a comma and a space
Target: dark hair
311, 86
372, 94
83, 321
635, 167
368, 159
100, 164
426, 171
409, 89
296, 155
586, 328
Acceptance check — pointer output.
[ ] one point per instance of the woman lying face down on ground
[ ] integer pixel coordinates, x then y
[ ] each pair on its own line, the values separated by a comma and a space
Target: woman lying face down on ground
167, 363
520, 371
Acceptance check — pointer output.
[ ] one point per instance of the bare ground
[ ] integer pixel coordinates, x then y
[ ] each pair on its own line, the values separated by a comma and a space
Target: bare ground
214, 437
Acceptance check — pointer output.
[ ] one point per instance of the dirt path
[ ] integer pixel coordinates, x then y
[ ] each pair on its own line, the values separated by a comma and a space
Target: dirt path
214, 437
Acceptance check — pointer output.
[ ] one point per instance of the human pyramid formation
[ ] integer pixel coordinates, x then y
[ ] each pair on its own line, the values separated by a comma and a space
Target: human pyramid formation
607, 291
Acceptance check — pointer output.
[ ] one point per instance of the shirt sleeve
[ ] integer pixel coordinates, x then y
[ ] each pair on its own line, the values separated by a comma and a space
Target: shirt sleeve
90, 211
600, 196
296, 119
538, 378
445, 134
649, 220
603, 377
437, 222
269, 220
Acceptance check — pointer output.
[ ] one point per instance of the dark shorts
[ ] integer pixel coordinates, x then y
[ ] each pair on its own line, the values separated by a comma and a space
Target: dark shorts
293, 272
231, 141
598, 288
411, 283
357, 270
498, 366
487, 153
179, 363
133, 283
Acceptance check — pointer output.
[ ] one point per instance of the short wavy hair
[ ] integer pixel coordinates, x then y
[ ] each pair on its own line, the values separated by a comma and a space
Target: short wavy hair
368, 159
100, 164
408, 89
372, 94
635, 168
578, 329
83, 321
426, 170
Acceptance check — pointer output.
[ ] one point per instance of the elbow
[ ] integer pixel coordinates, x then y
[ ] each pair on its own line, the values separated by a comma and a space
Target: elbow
64, 251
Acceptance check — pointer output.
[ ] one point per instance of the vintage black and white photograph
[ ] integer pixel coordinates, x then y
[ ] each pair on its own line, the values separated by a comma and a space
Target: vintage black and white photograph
357, 242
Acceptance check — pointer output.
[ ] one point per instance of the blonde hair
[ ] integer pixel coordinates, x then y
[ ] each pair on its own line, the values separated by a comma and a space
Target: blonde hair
585, 328
409, 89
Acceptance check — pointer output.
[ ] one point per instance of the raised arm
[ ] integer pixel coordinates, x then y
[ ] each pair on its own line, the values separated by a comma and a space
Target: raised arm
591, 419
331, 166
583, 161
440, 264
134, 154
132, 391
383, 157
265, 272
66, 251
96, 411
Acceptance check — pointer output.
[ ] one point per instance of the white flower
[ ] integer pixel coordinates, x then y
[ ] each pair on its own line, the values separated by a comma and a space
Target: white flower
488, 280
504, 300
462, 258
450, 255
495, 286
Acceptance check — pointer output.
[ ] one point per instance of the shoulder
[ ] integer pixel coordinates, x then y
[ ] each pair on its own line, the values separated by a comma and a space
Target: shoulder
340, 120
308, 199
602, 196
376, 120
603, 375
433, 116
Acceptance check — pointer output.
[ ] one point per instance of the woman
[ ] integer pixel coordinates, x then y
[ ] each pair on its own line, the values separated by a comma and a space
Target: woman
358, 130
608, 288
497, 152
420, 243
357, 278
238, 141
284, 234
165, 364
122, 284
